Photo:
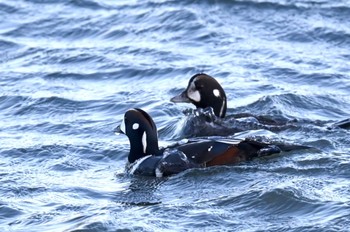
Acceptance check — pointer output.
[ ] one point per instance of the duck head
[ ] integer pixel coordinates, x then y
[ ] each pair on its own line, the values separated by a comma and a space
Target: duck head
139, 127
204, 91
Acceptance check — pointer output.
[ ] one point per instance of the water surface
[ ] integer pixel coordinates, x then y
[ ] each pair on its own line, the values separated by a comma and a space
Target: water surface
70, 69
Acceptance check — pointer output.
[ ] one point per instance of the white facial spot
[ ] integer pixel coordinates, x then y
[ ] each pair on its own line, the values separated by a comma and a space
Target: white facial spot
195, 96
216, 93
144, 142
209, 149
122, 126
135, 126
193, 93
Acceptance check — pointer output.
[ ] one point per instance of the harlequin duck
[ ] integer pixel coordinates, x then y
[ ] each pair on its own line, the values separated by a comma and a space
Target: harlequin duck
345, 124
146, 158
204, 91
209, 119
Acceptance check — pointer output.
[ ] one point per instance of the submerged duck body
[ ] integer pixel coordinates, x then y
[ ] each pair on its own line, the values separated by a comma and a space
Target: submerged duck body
146, 158
205, 92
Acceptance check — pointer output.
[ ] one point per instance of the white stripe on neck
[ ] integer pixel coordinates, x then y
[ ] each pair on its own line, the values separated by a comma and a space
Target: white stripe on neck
144, 142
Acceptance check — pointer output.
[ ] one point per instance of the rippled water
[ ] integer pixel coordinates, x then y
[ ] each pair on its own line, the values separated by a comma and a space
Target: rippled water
69, 70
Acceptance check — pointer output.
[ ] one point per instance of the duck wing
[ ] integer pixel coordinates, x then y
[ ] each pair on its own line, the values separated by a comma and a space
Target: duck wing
222, 151
202, 151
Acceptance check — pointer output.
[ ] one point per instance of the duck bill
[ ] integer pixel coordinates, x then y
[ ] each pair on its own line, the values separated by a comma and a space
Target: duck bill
182, 98
118, 131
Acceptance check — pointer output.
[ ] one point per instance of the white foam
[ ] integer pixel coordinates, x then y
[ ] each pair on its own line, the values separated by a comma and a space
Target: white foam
134, 166
158, 173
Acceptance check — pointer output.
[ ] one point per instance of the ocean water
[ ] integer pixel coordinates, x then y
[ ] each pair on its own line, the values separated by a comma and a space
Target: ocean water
69, 69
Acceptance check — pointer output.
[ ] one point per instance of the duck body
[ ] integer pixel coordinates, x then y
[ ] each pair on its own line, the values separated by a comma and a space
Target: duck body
146, 158
208, 96
204, 92
203, 122
168, 163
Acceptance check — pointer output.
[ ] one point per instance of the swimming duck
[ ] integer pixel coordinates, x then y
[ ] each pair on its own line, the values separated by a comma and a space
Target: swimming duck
146, 158
205, 92
209, 97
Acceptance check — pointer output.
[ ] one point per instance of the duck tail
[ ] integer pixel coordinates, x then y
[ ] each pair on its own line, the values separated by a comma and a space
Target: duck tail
345, 124
266, 149
292, 147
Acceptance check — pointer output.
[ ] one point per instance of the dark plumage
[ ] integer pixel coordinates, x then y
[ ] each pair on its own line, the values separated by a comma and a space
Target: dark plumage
204, 91
146, 158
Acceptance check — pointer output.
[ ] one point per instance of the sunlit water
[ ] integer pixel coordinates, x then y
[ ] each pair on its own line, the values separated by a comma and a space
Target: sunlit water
70, 69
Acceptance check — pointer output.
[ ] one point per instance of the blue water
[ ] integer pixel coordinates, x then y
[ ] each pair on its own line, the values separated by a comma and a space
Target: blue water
69, 69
